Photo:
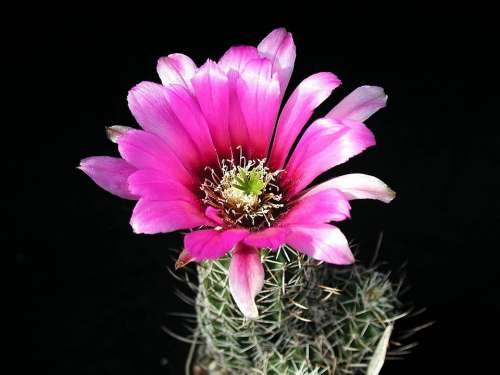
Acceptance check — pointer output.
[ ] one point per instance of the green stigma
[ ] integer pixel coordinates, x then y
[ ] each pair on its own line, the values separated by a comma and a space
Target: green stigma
244, 193
251, 182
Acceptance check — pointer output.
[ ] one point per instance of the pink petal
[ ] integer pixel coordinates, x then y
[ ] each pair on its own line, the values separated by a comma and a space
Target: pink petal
156, 185
246, 279
318, 207
211, 243
278, 47
147, 151
184, 259
236, 58
213, 214
177, 69
233, 63
188, 112
324, 145
237, 126
211, 87
152, 217
150, 105
109, 173
322, 242
358, 186
259, 95
298, 109
360, 104
271, 238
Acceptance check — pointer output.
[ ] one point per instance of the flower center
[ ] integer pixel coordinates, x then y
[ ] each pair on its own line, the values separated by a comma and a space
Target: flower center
245, 193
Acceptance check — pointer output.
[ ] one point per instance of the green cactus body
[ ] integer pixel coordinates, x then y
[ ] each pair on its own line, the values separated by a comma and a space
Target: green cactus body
314, 318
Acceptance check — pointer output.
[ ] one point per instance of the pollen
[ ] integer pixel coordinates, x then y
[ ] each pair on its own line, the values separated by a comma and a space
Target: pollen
245, 192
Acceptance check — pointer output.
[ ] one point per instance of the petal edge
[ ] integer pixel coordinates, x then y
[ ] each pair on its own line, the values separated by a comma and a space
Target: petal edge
246, 279
109, 173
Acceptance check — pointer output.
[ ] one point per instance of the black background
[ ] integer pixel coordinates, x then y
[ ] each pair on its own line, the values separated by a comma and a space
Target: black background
90, 297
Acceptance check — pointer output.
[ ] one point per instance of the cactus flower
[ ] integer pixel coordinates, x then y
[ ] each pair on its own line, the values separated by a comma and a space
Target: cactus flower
214, 156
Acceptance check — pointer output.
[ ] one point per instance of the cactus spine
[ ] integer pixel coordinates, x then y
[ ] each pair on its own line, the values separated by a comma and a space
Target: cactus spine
314, 318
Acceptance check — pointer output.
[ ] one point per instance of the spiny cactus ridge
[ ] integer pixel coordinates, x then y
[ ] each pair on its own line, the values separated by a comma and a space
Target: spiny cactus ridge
314, 319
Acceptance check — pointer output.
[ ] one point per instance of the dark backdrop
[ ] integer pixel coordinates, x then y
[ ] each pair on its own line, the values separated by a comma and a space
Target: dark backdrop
91, 297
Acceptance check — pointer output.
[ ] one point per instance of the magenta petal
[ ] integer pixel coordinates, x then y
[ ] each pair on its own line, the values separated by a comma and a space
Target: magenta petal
279, 47
237, 125
233, 63
211, 243
324, 145
360, 104
147, 151
318, 207
152, 217
308, 95
358, 186
211, 87
236, 58
246, 279
188, 112
157, 185
271, 238
259, 95
177, 69
322, 242
213, 214
149, 103
109, 173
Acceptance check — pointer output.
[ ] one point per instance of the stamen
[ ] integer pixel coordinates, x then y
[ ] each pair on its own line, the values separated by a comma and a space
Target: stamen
245, 193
